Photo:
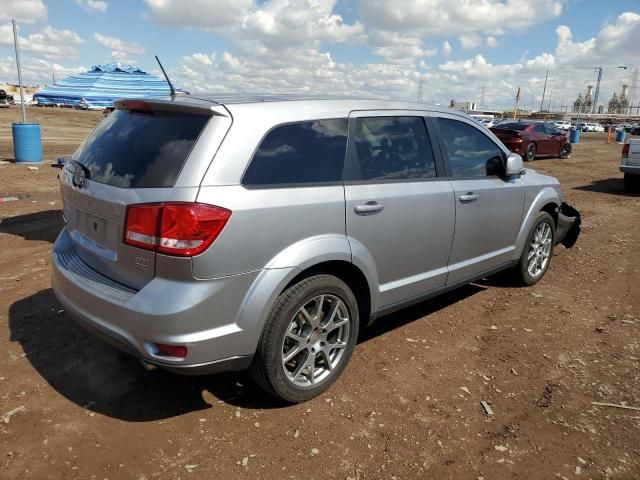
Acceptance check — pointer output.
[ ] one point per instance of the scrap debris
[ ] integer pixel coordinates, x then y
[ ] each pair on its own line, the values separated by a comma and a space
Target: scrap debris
7, 416
615, 405
487, 408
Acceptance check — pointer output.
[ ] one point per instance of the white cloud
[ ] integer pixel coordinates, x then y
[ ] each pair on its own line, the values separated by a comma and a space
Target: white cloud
623, 36
36, 71
397, 48
130, 48
491, 42
276, 24
446, 17
93, 5
470, 41
49, 43
23, 11
210, 14
446, 48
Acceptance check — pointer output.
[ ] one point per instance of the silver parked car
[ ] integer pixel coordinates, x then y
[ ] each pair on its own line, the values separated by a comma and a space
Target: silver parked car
206, 235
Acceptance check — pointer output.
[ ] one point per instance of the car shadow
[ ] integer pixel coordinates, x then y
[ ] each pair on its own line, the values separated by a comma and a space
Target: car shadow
43, 226
611, 186
420, 310
96, 376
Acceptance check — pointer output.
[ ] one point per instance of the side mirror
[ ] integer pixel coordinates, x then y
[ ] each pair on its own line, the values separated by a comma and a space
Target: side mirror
514, 165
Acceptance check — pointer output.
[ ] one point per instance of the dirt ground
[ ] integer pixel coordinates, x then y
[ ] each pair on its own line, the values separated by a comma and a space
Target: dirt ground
408, 405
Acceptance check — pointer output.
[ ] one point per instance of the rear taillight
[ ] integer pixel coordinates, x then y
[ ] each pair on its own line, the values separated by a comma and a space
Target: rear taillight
181, 229
625, 150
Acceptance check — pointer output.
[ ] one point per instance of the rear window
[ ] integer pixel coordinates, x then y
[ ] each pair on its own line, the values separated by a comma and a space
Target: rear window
512, 126
299, 153
140, 149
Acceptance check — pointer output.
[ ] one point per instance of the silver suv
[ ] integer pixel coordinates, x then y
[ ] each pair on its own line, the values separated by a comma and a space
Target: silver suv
264, 233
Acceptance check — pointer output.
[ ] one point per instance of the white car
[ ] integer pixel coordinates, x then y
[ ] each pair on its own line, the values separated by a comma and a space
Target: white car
563, 125
597, 128
630, 164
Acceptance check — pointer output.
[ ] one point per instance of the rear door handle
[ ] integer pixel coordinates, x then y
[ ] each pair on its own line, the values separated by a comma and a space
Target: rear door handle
469, 197
369, 208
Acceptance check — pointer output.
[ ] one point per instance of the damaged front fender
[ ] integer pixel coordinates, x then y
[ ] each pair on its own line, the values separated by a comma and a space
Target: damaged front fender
568, 228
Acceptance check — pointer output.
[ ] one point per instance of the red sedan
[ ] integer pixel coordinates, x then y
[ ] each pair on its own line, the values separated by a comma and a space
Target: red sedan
533, 139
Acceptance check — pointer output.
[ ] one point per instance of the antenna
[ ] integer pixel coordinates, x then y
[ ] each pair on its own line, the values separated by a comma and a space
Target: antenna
171, 87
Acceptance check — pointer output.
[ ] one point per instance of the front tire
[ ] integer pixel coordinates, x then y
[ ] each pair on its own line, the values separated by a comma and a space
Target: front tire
537, 252
530, 154
308, 339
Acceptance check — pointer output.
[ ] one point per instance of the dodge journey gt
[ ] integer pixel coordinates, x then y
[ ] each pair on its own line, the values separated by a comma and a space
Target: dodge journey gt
205, 235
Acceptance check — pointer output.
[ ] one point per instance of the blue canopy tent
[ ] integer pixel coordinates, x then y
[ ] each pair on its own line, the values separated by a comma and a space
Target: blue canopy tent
101, 85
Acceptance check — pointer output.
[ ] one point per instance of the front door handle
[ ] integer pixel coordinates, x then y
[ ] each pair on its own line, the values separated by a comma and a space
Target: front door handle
468, 197
369, 208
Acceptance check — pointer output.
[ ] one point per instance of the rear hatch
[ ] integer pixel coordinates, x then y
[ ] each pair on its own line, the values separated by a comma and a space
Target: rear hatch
134, 156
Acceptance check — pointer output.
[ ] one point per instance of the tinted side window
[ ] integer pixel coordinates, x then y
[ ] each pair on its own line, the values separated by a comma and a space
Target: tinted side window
539, 128
388, 148
471, 152
304, 152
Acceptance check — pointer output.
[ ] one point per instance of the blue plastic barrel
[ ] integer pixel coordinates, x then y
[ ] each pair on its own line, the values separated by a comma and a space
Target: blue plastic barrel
574, 135
27, 146
620, 136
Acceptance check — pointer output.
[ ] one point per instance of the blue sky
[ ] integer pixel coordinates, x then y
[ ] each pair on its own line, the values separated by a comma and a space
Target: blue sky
373, 47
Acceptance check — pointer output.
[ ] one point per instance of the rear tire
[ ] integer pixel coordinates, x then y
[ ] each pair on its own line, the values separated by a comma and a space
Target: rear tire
565, 151
530, 154
631, 182
308, 339
537, 252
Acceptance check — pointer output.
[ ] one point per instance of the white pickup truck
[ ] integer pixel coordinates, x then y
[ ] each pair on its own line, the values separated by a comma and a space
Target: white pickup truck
630, 164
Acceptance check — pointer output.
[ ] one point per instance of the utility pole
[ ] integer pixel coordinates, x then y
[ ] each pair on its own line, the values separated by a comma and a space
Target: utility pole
594, 107
482, 98
420, 92
17, 47
544, 90
634, 85
515, 109
550, 95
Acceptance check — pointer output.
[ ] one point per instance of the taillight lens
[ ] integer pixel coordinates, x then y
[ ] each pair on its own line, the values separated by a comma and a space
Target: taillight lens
625, 150
181, 229
141, 225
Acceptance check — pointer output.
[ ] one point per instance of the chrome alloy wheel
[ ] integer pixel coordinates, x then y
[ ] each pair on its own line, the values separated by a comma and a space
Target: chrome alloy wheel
315, 340
539, 250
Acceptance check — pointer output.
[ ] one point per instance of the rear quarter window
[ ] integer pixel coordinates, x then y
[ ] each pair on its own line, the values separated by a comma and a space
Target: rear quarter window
132, 149
300, 153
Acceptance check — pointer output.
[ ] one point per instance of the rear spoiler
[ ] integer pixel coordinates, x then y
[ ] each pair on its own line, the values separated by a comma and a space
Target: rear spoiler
178, 105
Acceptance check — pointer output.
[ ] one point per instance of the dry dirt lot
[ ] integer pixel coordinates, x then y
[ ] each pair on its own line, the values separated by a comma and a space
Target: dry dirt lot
408, 406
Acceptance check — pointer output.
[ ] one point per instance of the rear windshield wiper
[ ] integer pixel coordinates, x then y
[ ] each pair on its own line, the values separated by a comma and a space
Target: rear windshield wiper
85, 170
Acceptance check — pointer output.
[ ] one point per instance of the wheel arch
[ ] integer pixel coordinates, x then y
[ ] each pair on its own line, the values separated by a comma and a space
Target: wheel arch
349, 274
546, 200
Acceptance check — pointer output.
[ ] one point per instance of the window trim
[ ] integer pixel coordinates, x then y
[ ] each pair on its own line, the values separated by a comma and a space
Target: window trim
265, 186
352, 156
445, 153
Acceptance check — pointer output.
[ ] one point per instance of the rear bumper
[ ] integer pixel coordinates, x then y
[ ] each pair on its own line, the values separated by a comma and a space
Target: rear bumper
632, 169
199, 314
515, 147
568, 227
